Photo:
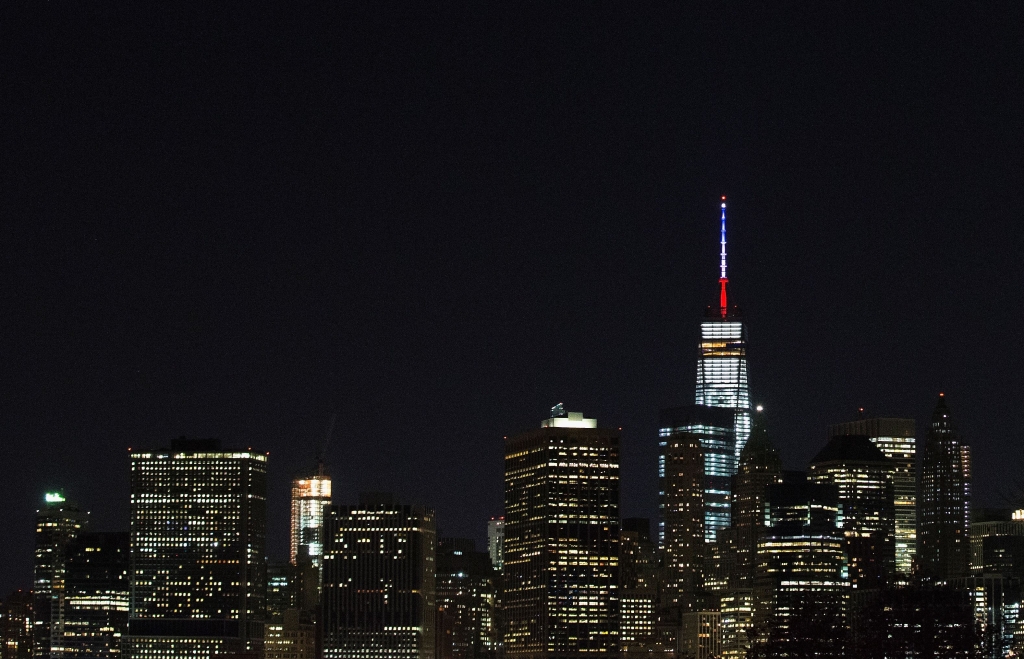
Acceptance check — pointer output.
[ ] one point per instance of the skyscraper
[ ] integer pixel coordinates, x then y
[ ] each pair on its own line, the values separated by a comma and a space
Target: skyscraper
97, 596
801, 586
466, 589
378, 598
712, 427
310, 493
722, 365
198, 548
760, 466
16, 625
943, 541
496, 541
562, 539
864, 478
895, 438
58, 523
694, 464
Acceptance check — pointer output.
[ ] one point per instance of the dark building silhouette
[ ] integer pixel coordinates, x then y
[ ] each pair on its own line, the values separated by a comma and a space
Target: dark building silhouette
198, 548
800, 585
16, 625
943, 535
863, 477
639, 581
760, 466
58, 523
466, 587
895, 438
561, 555
97, 595
378, 597
997, 542
293, 596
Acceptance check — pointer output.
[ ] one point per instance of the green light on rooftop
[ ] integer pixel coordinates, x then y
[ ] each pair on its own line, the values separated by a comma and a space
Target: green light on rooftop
54, 497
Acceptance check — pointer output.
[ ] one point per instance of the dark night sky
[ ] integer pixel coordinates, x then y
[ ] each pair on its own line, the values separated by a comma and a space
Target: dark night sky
438, 222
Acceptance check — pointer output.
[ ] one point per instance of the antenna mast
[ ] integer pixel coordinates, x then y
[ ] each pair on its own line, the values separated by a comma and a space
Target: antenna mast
323, 451
723, 279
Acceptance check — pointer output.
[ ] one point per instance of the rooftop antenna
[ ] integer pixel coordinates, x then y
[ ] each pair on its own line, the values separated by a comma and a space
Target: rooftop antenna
323, 451
723, 279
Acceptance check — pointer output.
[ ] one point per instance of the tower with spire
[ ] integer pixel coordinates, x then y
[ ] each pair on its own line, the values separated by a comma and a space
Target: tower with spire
722, 363
943, 538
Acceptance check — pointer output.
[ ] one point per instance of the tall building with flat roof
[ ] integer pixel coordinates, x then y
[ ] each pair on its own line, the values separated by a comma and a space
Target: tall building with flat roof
760, 466
562, 539
864, 478
378, 596
895, 438
945, 505
198, 550
58, 523
467, 589
97, 596
496, 541
722, 363
16, 625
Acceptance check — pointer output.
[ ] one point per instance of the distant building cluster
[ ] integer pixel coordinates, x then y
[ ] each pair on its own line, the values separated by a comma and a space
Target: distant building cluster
873, 551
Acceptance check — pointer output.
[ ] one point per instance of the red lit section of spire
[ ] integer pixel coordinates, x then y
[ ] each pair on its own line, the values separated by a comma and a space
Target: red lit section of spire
723, 279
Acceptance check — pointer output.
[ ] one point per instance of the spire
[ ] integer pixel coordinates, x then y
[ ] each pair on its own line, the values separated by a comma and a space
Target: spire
723, 279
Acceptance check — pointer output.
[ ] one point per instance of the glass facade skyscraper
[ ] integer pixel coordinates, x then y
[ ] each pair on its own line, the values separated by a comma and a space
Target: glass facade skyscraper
309, 496
722, 364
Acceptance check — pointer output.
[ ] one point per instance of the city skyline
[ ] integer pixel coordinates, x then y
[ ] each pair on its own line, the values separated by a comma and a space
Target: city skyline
436, 223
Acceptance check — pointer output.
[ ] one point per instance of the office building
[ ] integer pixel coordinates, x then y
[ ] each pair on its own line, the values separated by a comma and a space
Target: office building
562, 539
712, 428
864, 478
943, 536
310, 493
684, 488
467, 591
496, 541
997, 542
58, 523
198, 547
760, 466
16, 622
97, 595
290, 635
722, 364
378, 594
801, 584
895, 438
701, 635
638, 587
737, 608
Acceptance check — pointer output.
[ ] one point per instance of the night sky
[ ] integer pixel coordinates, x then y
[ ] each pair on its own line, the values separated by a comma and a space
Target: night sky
437, 222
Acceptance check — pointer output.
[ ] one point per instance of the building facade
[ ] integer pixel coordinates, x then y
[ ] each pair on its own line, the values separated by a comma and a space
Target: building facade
943, 536
896, 439
863, 477
97, 596
496, 541
378, 594
310, 493
198, 548
16, 623
760, 466
562, 539
58, 523
467, 592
